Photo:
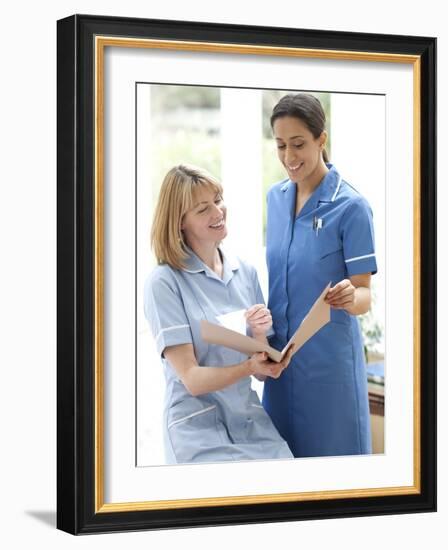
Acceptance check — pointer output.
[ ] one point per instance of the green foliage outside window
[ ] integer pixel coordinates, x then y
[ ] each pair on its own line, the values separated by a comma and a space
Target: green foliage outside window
185, 129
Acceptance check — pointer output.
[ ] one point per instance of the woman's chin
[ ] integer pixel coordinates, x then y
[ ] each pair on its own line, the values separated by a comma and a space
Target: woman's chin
220, 235
293, 176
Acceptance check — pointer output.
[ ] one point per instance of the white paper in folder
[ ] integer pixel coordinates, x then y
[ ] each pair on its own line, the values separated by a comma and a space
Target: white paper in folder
235, 320
317, 317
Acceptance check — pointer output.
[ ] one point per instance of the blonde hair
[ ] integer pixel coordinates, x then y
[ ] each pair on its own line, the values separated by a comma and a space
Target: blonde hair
176, 197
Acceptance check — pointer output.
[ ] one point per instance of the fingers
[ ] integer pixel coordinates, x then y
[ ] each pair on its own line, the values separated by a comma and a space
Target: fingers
342, 301
266, 367
276, 372
345, 283
346, 291
259, 319
343, 304
339, 286
258, 328
258, 313
341, 295
254, 309
278, 368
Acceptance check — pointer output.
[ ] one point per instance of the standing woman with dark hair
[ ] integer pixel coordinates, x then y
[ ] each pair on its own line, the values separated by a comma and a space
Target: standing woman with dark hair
319, 230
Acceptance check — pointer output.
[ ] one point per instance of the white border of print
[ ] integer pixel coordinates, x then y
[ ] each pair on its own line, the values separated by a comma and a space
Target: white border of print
123, 481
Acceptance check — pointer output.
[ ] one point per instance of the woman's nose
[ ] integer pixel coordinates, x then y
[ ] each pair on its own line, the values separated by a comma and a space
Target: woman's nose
218, 209
289, 156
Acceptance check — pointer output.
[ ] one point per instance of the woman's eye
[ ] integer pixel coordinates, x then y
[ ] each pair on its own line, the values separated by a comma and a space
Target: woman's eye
203, 210
296, 146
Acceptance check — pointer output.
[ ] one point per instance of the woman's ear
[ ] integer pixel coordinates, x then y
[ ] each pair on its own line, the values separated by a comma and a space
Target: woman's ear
323, 139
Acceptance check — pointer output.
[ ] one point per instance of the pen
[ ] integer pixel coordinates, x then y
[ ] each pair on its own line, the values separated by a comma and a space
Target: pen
317, 224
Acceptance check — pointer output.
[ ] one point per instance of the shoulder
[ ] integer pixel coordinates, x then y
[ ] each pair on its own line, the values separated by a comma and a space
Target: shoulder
354, 209
278, 187
161, 277
242, 267
351, 199
236, 262
246, 267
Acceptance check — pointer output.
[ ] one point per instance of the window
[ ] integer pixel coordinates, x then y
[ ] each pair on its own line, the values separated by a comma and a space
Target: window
227, 132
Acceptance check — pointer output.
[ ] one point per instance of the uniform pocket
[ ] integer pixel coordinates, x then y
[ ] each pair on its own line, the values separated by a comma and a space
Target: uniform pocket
259, 426
328, 357
194, 430
191, 415
331, 258
328, 244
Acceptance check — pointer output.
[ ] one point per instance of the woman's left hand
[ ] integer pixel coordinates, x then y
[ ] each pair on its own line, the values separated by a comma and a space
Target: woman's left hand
259, 319
342, 295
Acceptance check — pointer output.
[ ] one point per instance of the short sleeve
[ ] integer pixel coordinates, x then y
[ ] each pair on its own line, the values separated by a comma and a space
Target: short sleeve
165, 311
358, 238
259, 298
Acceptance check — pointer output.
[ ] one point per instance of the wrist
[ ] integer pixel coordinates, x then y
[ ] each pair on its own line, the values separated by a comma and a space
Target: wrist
259, 335
353, 306
361, 302
249, 367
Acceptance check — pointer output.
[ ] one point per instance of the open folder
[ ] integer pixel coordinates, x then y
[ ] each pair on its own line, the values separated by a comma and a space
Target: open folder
315, 319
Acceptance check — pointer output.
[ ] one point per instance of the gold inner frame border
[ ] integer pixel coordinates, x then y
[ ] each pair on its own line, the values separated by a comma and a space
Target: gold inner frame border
100, 43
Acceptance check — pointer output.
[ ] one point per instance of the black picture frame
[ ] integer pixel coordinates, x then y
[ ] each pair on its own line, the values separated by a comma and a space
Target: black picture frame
79, 504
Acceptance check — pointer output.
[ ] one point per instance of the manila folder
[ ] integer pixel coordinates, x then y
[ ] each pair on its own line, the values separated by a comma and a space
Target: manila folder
316, 318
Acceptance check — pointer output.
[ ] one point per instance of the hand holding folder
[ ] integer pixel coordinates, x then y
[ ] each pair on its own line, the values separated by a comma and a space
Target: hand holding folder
316, 318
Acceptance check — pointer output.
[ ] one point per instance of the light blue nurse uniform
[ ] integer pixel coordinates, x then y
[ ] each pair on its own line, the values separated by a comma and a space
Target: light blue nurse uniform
229, 424
320, 402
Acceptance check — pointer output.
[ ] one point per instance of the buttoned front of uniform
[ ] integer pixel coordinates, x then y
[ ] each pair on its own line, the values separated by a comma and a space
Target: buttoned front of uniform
229, 424
319, 403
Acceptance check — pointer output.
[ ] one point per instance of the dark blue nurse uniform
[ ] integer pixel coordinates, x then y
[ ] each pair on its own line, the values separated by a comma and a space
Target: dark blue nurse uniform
320, 403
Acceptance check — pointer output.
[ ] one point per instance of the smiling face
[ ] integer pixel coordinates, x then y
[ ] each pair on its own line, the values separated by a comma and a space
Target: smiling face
205, 223
299, 151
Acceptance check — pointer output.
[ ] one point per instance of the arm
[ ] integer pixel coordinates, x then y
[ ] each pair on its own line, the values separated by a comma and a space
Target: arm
201, 379
259, 319
351, 294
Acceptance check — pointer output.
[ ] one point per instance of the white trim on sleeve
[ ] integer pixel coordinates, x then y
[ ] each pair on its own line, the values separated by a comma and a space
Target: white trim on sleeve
171, 328
359, 258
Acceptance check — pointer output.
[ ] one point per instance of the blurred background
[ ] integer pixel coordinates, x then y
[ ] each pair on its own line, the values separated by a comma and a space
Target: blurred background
227, 132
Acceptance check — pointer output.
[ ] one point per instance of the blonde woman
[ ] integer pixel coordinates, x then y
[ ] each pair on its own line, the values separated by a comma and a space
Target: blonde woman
211, 412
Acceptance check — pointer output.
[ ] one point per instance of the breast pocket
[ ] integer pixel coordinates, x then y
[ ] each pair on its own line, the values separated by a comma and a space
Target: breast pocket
330, 257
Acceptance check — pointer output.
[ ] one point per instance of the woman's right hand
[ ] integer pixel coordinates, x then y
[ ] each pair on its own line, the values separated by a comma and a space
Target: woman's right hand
260, 365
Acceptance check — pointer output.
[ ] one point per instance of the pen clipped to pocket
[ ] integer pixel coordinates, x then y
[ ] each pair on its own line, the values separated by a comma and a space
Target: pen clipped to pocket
318, 223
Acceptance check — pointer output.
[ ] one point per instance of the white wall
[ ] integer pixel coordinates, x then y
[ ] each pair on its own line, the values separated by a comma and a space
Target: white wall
358, 128
27, 284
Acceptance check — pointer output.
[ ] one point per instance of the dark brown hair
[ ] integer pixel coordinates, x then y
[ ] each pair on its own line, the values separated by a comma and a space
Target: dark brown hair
306, 108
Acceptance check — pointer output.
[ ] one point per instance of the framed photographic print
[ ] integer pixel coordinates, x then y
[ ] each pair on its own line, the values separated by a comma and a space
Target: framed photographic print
146, 104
